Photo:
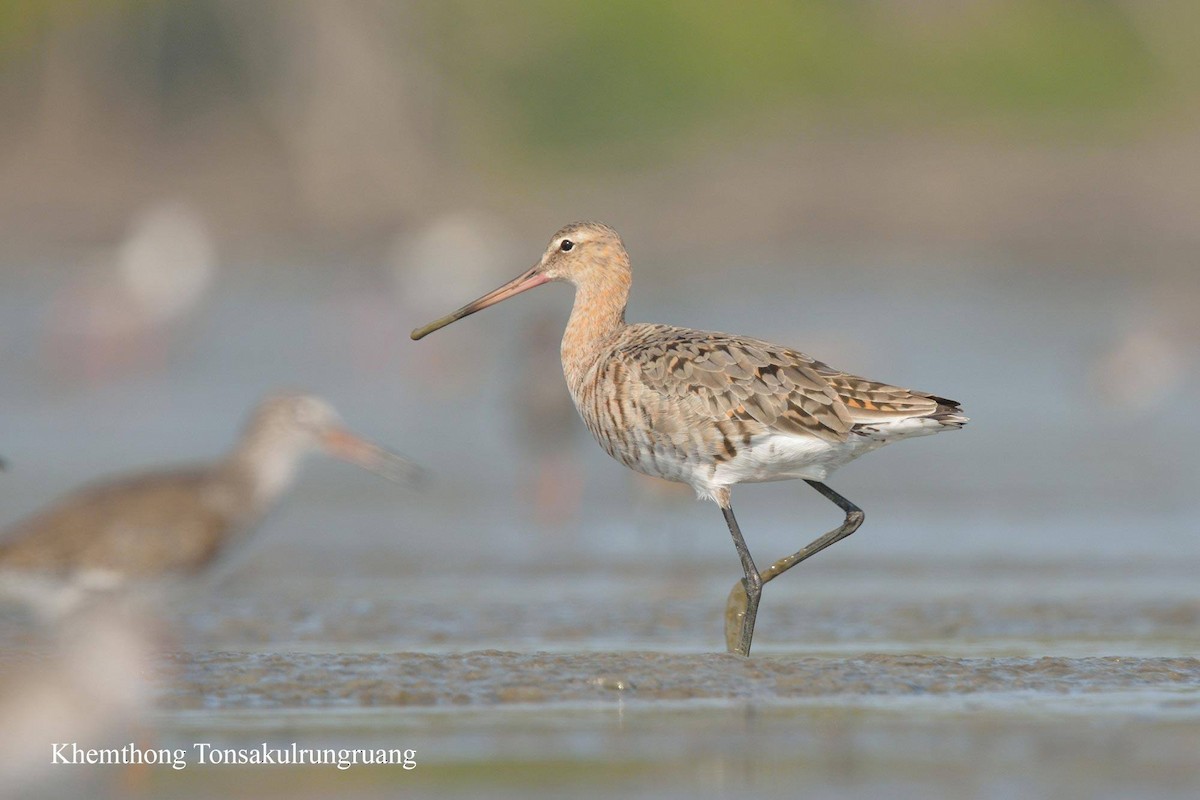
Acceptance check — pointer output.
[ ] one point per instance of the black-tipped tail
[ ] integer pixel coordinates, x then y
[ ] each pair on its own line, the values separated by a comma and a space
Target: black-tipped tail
948, 412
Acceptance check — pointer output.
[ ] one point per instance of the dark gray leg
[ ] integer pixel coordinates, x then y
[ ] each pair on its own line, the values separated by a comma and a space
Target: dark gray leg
750, 589
739, 604
854, 518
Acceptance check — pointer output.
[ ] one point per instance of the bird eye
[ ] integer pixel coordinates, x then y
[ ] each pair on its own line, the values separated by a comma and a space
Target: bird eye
566, 245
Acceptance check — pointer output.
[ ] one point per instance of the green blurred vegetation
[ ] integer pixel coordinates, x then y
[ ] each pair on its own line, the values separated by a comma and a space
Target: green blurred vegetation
179, 53
24, 23
625, 75
620, 82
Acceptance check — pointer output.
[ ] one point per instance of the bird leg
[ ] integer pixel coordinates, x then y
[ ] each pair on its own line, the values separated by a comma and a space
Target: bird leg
854, 518
739, 631
739, 603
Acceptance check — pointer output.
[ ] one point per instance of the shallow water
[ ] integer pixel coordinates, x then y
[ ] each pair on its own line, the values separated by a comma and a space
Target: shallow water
493, 677
1018, 617
992, 683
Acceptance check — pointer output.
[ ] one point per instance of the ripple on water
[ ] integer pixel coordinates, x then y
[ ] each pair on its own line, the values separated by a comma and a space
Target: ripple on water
232, 680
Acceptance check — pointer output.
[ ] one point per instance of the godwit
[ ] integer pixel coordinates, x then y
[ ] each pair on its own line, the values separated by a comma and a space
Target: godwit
709, 409
175, 521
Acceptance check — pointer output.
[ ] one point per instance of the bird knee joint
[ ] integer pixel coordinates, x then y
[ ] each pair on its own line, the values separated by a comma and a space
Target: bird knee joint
855, 517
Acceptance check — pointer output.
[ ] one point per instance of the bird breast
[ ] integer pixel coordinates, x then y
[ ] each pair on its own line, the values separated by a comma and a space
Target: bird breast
651, 432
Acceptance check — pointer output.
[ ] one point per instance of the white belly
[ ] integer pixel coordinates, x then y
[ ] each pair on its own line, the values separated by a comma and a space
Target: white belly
771, 457
780, 457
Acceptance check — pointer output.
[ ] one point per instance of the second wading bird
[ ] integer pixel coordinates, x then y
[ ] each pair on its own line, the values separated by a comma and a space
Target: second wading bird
154, 525
710, 409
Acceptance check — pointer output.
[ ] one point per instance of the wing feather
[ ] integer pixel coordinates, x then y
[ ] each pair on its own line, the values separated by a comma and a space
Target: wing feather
722, 377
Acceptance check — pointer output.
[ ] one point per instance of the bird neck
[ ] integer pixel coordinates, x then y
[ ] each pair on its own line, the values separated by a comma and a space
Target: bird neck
598, 313
268, 463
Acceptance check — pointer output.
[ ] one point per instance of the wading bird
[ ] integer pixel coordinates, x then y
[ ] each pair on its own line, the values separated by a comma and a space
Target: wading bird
176, 521
710, 409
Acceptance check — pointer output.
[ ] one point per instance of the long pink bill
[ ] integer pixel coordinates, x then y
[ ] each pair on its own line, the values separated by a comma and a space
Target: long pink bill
521, 283
341, 443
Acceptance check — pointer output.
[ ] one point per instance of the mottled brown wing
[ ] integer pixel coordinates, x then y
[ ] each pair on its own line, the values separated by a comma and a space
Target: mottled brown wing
870, 402
731, 377
138, 526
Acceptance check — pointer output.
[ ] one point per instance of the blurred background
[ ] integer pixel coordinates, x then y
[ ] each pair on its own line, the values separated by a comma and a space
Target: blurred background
996, 201
993, 200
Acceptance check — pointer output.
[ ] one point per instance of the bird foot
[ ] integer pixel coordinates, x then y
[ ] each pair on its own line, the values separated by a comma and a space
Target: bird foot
735, 620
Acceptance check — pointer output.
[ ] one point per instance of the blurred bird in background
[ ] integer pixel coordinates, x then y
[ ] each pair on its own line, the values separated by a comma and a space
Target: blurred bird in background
175, 522
119, 314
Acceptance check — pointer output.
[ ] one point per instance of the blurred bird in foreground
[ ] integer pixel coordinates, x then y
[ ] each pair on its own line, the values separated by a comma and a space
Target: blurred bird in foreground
87, 684
176, 521
709, 409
